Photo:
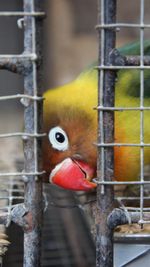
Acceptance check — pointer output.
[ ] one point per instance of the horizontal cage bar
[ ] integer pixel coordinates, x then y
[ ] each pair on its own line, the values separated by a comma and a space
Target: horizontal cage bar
21, 96
102, 108
143, 222
137, 209
30, 56
121, 182
23, 135
113, 67
122, 25
22, 173
122, 144
19, 13
131, 198
10, 198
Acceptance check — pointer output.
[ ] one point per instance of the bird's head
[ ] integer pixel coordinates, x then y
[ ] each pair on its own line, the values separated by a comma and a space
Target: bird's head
68, 150
70, 123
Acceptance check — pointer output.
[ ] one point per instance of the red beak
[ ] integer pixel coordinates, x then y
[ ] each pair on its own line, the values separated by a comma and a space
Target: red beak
71, 174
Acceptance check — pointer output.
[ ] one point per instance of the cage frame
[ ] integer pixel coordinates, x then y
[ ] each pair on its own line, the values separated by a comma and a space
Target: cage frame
110, 61
28, 215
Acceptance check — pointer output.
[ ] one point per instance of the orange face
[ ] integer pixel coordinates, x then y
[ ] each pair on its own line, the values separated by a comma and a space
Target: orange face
68, 151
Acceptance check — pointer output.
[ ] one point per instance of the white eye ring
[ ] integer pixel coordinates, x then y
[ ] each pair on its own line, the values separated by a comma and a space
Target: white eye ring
58, 139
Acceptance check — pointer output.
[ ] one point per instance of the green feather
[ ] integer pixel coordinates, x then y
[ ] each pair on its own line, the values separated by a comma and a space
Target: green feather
132, 86
129, 79
134, 48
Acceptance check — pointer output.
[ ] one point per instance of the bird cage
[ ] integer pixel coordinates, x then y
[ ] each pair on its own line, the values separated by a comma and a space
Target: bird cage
24, 186
23, 197
109, 217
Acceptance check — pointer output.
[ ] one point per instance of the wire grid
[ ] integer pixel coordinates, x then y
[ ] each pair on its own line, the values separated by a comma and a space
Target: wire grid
141, 108
12, 189
11, 193
17, 178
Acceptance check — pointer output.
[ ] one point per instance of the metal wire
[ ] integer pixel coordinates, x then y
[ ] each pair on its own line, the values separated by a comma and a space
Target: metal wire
23, 135
104, 236
101, 96
122, 108
122, 183
122, 25
9, 195
141, 108
31, 55
122, 145
141, 112
141, 67
21, 96
22, 14
26, 64
140, 63
35, 173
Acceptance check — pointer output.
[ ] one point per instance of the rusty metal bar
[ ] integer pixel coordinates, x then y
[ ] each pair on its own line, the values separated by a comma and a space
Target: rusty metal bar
135, 60
21, 63
105, 194
17, 63
32, 117
120, 217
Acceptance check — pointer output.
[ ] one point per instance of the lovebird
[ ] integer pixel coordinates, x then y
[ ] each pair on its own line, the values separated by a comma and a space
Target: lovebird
70, 122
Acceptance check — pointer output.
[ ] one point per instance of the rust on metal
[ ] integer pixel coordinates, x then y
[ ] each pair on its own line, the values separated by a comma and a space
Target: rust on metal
15, 64
29, 226
32, 147
120, 60
105, 194
22, 217
120, 217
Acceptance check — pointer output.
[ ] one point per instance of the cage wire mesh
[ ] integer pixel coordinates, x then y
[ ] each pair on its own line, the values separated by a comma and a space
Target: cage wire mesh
133, 208
17, 200
20, 192
12, 182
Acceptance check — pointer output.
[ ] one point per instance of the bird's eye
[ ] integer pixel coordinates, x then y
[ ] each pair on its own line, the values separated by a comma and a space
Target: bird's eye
58, 139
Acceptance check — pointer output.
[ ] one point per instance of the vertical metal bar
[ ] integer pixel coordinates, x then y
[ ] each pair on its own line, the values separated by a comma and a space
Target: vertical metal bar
105, 164
33, 188
141, 112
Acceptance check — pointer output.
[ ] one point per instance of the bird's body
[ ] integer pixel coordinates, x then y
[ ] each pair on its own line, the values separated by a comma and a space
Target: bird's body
70, 108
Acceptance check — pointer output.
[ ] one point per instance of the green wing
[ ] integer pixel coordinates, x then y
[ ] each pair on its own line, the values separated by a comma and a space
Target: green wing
134, 48
129, 80
132, 85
